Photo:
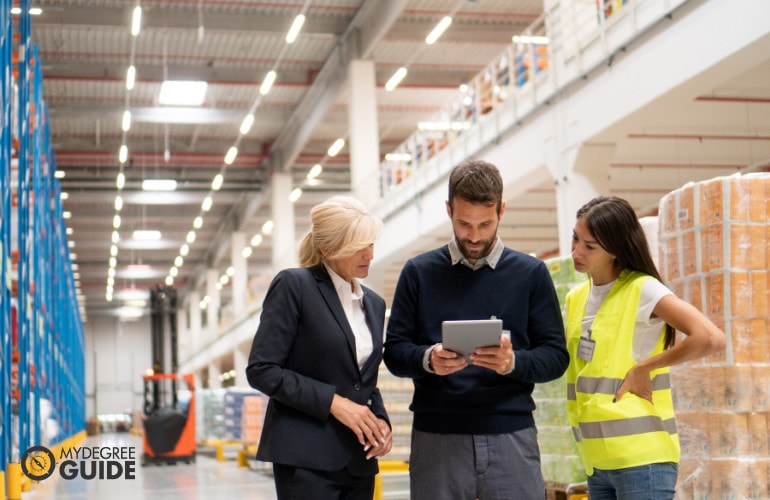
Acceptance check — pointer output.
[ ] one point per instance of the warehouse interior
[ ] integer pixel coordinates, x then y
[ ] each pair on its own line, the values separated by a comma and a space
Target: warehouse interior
637, 99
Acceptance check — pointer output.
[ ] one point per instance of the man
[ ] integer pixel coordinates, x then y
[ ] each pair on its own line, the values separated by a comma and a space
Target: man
473, 433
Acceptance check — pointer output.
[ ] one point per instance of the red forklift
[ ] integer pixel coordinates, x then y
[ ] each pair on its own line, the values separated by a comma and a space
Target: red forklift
169, 398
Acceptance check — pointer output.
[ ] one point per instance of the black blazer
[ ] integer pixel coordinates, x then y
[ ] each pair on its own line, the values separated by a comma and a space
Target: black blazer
302, 354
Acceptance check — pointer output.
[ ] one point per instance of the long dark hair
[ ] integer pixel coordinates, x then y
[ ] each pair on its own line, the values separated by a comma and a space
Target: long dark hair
615, 226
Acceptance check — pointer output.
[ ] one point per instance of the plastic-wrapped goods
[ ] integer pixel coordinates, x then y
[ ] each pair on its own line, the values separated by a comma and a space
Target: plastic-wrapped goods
252, 418
714, 253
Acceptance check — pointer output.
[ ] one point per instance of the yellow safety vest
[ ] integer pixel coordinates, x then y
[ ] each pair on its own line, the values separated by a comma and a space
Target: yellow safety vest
632, 431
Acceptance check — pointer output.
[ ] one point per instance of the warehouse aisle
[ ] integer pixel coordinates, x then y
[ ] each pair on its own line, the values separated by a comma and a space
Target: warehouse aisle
206, 478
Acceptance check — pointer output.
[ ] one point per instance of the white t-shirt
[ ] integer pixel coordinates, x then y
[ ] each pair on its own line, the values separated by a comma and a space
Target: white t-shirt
646, 329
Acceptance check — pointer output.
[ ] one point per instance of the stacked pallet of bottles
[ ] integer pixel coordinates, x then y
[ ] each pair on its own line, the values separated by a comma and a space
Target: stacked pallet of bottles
42, 362
714, 254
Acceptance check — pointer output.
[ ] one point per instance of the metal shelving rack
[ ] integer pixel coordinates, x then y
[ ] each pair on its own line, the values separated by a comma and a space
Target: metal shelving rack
42, 349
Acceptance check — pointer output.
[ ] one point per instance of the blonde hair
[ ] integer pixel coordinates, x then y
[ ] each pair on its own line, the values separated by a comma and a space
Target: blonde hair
340, 227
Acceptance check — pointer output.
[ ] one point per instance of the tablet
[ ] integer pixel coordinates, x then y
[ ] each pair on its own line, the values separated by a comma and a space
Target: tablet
464, 337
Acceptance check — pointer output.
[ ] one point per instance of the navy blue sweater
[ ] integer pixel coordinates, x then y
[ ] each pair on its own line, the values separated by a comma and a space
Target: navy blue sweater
475, 400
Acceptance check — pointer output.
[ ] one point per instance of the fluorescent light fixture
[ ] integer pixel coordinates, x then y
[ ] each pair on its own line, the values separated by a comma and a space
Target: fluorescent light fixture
173, 272
246, 252
198, 222
130, 312
70, 231
296, 26
159, 185
230, 271
398, 157
267, 227
438, 30
182, 93
111, 272
118, 203
114, 250
224, 279
336, 147
116, 221
396, 78
64, 195
184, 250
115, 236
315, 171
113, 262
539, 40
207, 202
126, 125
190, 238
178, 261
166, 155
130, 77
66, 215
121, 180
216, 183
231, 154
71, 244
295, 194
169, 281
59, 174
33, 11
123, 153
146, 234
267, 84
135, 302
256, 240
73, 256
136, 21
248, 121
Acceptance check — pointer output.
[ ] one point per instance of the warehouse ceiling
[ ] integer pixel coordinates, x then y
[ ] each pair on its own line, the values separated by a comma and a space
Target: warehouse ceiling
86, 47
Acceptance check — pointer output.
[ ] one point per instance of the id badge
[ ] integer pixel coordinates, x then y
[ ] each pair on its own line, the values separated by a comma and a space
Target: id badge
586, 349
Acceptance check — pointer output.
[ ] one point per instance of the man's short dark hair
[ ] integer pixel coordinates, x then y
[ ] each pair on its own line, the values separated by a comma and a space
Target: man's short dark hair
477, 182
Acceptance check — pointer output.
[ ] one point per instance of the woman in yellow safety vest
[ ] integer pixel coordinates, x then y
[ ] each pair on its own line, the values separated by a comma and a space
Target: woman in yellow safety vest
621, 327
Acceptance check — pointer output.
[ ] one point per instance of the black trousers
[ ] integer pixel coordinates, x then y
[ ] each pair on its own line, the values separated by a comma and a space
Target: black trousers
296, 483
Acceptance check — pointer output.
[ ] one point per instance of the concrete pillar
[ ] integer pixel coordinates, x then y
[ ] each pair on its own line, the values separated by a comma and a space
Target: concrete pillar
240, 278
212, 311
214, 372
240, 360
196, 328
284, 245
364, 141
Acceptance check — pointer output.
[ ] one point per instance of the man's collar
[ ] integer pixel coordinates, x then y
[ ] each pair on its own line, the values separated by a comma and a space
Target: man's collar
490, 260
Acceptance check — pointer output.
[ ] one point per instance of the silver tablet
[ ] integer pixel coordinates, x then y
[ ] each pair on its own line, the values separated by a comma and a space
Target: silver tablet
464, 337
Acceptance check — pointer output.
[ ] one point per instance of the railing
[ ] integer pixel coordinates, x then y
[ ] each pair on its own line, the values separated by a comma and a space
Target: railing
569, 40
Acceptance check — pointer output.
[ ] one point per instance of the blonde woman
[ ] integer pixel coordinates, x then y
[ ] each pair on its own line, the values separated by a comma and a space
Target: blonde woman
316, 354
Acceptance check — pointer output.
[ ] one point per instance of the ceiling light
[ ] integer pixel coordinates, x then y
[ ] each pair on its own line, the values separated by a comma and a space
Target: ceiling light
396, 78
173, 272
118, 203
184, 250
295, 194
216, 183
113, 261
230, 271
111, 272
438, 30
115, 236
540, 40
136, 21
159, 185
246, 124
198, 222
130, 77
33, 11
207, 202
66, 215
296, 26
169, 281
123, 154
178, 261
126, 125
59, 174
113, 250
398, 157
246, 252
71, 244
267, 84
121, 180
138, 271
190, 237
315, 171
144, 235
130, 312
135, 302
267, 227
116, 221
231, 154
256, 240
182, 93
73, 256
224, 279
64, 195
336, 147
69, 231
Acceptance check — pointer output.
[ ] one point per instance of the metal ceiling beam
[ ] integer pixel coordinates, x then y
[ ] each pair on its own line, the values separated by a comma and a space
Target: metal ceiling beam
369, 26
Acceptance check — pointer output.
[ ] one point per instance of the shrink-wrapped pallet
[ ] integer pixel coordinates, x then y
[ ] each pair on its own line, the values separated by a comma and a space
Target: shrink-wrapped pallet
714, 253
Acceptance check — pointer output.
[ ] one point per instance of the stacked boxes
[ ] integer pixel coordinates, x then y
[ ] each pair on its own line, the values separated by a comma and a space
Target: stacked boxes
714, 253
252, 418
233, 410
559, 457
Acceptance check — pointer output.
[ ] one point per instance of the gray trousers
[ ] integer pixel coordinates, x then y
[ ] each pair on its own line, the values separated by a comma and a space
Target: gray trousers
480, 466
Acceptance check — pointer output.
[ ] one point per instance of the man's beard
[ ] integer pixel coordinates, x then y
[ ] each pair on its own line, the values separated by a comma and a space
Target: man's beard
476, 254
